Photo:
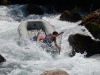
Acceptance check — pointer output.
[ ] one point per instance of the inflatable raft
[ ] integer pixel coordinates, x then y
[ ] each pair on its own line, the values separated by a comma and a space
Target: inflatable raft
35, 30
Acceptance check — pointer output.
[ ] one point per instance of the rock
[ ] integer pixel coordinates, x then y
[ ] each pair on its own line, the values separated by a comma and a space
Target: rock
92, 23
2, 59
33, 9
54, 72
69, 16
82, 43
5, 2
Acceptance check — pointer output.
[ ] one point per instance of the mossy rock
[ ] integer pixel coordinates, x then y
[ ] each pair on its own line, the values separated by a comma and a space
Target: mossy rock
70, 16
94, 16
92, 23
5, 2
95, 27
66, 15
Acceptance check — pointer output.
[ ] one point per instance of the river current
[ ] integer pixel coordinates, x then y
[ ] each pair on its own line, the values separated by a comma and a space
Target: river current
32, 59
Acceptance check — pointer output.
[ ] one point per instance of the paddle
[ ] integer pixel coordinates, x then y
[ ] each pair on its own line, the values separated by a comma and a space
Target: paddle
60, 43
61, 40
59, 51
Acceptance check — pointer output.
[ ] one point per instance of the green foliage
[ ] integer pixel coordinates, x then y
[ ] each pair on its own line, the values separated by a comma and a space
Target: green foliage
88, 16
94, 26
75, 9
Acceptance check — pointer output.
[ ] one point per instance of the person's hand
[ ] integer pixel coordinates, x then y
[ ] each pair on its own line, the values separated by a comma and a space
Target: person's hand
59, 48
62, 32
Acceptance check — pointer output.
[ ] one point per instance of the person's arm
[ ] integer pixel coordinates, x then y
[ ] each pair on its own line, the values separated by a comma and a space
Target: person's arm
59, 33
56, 44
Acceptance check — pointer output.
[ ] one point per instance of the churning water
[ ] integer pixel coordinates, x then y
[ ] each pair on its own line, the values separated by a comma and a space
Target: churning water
32, 59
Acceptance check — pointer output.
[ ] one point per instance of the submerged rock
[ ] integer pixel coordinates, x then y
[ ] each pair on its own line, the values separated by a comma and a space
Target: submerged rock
2, 59
54, 72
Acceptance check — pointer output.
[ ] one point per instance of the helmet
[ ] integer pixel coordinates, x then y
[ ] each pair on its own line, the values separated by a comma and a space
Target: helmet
55, 32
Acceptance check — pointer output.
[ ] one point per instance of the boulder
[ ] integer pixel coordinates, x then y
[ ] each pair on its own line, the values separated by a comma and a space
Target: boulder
70, 16
92, 23
2, 59
33, 9
54, 72
5, 2
82, 43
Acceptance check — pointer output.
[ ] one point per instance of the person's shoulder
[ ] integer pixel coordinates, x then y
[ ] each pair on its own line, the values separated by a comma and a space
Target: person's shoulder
49, 35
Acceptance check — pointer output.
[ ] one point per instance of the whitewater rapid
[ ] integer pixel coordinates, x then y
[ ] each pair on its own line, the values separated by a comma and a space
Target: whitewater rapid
32, 59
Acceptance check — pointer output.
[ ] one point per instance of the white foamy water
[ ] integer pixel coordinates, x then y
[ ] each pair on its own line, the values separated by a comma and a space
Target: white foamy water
31, 59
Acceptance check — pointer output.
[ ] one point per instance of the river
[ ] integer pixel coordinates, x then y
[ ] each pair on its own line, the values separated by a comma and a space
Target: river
21, 60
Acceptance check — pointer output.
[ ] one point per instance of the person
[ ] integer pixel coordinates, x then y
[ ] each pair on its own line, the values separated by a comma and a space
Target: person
52, 38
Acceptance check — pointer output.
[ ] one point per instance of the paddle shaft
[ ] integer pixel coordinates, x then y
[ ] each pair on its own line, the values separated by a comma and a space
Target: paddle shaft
60, 43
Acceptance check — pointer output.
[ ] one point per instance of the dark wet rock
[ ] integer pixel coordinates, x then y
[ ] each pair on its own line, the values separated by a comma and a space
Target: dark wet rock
33, 9
70, 16
92, 23
82, 43
5, 2
2, 59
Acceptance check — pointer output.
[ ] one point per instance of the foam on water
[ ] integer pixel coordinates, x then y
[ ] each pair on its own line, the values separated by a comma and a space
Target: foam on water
32, 59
